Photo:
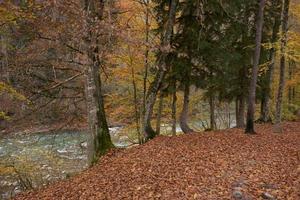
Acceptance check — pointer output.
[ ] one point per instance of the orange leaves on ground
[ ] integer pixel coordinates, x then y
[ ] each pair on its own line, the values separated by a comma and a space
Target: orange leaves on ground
208, 166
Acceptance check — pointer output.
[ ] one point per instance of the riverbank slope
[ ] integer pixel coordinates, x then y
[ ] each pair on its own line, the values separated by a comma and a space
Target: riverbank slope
211, 165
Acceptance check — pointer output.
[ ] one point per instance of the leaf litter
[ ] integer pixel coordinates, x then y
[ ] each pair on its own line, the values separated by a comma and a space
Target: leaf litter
215, 165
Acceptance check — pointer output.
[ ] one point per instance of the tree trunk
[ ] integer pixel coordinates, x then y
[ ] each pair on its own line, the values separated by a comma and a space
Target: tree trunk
252, 89
174, 100
240, 115
149, 133
135, 99
100, 141
265, 111
212, 112
291, 88
185, 110
146, 61
237, 111
285, 18
159, 113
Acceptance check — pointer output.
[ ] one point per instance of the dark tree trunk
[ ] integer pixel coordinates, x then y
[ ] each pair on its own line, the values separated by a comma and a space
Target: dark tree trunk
149, 133
146, 62
252, 89
135, 99
154, 87
159, 113
285, 18
266, 99
240, 115
212, 112
236, 110
174, 100
146, 67
185, 110
291, 88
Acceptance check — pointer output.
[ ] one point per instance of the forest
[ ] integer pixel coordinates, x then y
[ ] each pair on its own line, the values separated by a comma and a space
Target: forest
150, 99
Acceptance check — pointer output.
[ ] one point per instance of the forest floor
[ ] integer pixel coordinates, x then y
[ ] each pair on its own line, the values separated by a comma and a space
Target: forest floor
210, 166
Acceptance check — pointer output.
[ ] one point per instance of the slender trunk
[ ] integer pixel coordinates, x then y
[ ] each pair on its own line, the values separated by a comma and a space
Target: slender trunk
212, 112
237, 111
252, 89
240, 123
185, 110
285, 17
228, 114
100, 141
135, 99
265, 111
149, 133
290, 89
146, 62
174, 100
159, 113
146, 66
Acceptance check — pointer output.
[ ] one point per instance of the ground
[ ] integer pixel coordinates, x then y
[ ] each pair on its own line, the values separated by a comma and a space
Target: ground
210, 166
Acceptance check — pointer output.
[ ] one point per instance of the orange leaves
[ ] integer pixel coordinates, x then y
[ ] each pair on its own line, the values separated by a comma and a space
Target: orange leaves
215, 165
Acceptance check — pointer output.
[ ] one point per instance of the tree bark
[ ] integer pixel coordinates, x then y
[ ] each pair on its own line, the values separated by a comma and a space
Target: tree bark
240, 115
237, 110
159, 113
266, 99
285, 18
174, 100
146, 55
252, 89
135, 98
291, 88
185, 110
154, 87
212, 112
100, 141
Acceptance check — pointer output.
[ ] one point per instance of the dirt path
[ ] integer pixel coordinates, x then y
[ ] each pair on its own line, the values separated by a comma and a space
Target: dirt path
209, 166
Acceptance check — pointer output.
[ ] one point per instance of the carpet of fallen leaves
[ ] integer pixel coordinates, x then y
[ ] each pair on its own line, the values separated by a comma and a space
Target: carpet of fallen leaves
210, 166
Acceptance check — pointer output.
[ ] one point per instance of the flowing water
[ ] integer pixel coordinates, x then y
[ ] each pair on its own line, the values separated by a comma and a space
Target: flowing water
34, 160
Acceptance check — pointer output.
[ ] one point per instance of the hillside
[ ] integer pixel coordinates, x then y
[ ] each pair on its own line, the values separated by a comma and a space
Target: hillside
212, 165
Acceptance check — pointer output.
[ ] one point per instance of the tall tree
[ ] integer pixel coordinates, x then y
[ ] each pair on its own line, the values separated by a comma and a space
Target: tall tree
266, 91
159, 112
163, 68
174, 100
185, 108
256, 58
284, 31
100, 141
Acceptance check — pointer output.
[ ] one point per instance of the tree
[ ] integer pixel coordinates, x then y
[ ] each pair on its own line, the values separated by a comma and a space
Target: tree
266, 91
154, 87
185, 109
284, 31
100, 142
252, 88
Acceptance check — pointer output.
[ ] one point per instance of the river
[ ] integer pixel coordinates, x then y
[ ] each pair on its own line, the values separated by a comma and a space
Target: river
33, 160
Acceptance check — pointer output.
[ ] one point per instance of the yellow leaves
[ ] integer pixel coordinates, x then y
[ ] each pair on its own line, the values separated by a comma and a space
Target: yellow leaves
295, 10
7, 16
10, 14
3, 116
11, 91
6, 170
293, 46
